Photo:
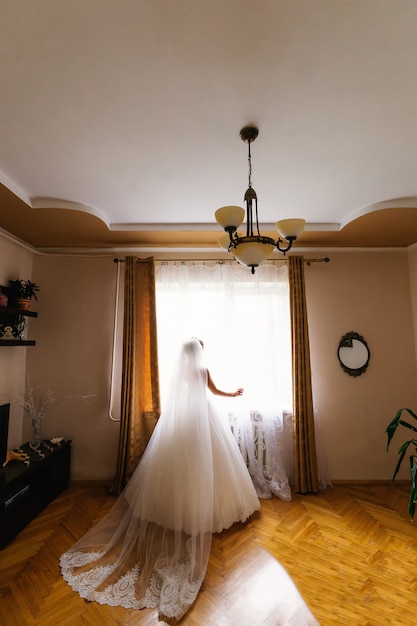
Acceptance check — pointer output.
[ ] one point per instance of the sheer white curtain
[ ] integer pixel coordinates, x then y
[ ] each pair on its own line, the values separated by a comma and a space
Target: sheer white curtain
244, 321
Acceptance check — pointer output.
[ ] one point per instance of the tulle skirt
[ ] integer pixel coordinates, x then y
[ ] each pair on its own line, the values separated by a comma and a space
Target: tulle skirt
173, 480
152, 549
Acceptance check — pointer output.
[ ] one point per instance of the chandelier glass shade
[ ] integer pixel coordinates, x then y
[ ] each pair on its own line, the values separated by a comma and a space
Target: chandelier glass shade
253, 248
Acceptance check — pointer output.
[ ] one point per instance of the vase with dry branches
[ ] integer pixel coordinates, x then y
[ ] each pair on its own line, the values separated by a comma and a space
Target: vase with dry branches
37, 402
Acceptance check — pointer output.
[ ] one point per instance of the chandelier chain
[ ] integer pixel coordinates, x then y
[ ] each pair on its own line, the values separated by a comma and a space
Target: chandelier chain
249, 165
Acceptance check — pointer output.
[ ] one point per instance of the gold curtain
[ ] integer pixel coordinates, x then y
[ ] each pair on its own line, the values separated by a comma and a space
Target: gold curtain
305, 457
140, 400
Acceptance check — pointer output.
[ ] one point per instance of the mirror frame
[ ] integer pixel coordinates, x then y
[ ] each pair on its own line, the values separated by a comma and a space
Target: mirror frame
346, 342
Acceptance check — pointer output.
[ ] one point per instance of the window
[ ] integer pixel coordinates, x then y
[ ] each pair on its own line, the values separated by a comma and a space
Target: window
243, 319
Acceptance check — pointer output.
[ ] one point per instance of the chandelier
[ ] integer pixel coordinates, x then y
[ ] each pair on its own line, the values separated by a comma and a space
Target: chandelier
253, 249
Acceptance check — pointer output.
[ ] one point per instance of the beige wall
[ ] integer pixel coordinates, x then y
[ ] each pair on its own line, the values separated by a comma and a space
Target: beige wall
368, 292
412, 261
74, 333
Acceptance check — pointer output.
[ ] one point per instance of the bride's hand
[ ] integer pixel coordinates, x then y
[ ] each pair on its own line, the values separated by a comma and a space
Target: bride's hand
238, 392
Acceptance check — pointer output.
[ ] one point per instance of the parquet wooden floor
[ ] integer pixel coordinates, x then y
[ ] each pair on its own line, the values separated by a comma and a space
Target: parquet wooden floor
351, 551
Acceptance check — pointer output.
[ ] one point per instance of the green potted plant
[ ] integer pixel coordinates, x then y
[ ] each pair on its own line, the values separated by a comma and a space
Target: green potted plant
391, 429
22, 292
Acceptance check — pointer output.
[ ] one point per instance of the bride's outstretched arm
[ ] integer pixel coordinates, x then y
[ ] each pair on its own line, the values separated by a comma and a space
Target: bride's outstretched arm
218, 392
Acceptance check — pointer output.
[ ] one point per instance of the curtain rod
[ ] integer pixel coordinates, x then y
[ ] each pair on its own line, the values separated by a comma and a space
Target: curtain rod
308, 261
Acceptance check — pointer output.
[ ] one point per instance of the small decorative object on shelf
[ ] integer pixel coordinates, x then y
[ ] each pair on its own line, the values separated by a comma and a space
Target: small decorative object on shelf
13, 329
16, 455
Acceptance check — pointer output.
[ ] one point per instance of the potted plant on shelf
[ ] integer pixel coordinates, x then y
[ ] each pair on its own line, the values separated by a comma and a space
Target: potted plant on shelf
22, 292
391, 429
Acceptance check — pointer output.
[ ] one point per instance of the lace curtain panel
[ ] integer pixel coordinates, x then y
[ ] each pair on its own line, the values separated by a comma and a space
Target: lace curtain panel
244, 321
265, 441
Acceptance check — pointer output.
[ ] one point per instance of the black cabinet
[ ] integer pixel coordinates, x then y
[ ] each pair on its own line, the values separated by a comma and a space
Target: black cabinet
26, 489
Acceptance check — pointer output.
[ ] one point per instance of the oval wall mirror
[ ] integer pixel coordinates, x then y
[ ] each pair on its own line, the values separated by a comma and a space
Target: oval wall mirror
353, 354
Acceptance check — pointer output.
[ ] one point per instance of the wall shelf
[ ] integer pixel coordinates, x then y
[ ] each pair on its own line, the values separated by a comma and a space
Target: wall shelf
8, 310
16, 342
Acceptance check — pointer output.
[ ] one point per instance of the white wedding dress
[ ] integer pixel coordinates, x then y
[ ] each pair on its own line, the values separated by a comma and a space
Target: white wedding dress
152, 548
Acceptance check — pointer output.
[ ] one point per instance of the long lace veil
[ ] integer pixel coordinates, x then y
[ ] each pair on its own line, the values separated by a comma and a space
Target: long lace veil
152, 548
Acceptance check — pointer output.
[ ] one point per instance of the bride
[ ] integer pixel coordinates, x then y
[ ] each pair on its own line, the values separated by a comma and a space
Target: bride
152, 548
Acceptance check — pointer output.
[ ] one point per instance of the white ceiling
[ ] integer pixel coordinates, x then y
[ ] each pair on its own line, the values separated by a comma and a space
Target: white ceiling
131, 109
